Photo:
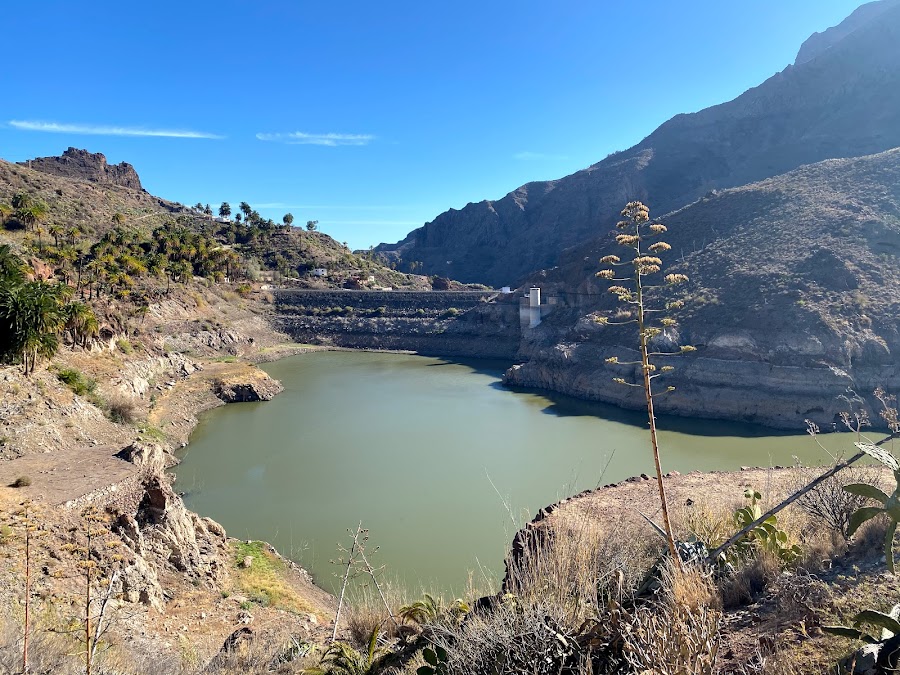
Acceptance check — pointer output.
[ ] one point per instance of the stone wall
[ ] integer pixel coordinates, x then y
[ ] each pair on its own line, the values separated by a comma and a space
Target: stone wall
435, 323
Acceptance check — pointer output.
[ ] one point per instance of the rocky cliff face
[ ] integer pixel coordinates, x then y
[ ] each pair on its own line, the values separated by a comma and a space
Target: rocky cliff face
90, 166
463, 324
843, 101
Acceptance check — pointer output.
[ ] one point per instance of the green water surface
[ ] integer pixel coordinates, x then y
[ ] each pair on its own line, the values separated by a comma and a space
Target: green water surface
437, 459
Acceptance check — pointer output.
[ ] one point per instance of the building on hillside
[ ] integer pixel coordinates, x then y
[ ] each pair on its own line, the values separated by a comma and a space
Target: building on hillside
320, 272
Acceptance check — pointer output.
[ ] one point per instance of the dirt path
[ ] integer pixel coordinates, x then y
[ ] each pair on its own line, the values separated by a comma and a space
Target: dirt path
64, 476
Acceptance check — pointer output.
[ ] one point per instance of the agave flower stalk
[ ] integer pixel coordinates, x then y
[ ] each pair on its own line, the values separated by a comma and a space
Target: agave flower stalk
631, 289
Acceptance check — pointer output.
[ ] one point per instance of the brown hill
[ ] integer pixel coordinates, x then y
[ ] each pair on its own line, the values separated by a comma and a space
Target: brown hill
844, 101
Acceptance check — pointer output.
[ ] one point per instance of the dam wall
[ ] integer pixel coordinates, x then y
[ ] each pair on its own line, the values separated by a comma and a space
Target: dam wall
476, 324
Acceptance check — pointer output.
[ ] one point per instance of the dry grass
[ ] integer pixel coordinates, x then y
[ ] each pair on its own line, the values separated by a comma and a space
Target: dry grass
263, 582
367, 612
54, 651
583, 557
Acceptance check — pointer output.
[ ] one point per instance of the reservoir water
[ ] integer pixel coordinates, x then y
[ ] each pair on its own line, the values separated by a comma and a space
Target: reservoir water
437, 459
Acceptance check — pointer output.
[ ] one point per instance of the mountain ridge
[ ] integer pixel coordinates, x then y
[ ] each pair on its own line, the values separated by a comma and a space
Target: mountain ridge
845, 102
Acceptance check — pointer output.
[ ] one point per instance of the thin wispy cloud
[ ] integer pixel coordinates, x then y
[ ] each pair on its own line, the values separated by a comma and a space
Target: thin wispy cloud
531, 156
330, 140
106, 130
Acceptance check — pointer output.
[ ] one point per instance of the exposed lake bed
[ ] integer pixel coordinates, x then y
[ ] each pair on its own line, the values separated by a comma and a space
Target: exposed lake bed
436, 458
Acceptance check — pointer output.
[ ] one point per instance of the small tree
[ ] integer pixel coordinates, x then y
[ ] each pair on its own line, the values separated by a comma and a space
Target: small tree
225, 210
288, 218
312, 225
636, 229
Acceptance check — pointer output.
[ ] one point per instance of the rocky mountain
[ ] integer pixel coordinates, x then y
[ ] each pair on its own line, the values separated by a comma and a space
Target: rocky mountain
819, 42
841, 99
89, 166
792, 301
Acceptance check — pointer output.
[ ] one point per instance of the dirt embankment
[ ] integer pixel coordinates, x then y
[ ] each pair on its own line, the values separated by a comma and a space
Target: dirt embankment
97, 427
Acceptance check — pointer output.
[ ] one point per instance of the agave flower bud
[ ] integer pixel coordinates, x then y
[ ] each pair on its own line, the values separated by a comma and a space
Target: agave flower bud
602, 320
619, 380
668, 323
667, 369
658, 228
605, 274
618, 290
660, 246
647, 260
627, 239
612, 360
622, 224
687, 348
673, 279
609, 260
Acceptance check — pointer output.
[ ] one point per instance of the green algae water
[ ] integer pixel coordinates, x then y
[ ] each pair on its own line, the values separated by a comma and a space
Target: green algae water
437, 459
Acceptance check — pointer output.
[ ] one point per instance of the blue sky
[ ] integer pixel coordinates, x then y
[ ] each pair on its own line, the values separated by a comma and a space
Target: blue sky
373, 118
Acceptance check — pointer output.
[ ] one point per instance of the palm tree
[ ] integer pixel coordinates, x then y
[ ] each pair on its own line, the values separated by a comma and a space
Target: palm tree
32, 317
80, 322
288, 219
22, 200
32, 214
225, 210
55, 231
246, 210
73, 233
5, 212
12, 268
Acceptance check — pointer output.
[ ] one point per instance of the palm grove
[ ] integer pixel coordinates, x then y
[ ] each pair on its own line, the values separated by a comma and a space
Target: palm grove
40, 309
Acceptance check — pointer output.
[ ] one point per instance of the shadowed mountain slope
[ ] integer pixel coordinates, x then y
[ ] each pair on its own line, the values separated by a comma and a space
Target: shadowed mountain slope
793, 297
844, 101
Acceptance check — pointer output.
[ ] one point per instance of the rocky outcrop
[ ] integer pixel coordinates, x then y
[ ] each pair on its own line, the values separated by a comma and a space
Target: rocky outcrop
89, 166
254, 386
843, 103
193, 545
138, 376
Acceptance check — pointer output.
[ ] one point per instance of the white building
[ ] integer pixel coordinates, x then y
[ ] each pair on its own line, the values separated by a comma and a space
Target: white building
320, 272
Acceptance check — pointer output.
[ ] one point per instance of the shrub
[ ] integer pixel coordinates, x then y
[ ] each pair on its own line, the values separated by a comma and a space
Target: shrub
244, 290
124, 346
76, 381
20, 482
450, 313
121, 410
829, 502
